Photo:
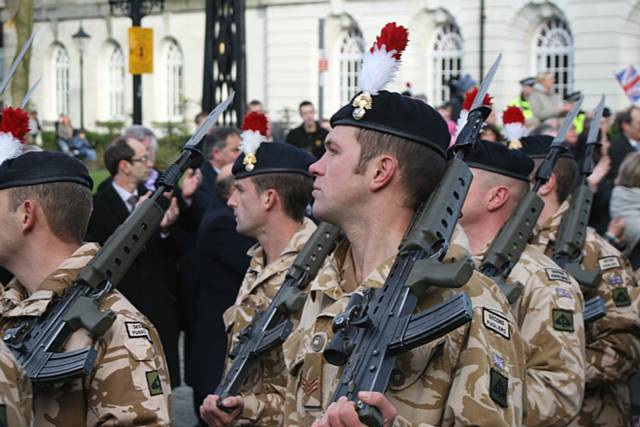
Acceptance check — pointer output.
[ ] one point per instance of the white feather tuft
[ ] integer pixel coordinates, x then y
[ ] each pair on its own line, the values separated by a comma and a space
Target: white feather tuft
514, 131
10, 147
251, 140
378, 69
462, 120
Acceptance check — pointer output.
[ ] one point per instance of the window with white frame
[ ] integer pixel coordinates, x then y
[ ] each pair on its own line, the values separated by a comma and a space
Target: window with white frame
446, 61
61, 74
351, 52
553, 50
174, 72
115, 69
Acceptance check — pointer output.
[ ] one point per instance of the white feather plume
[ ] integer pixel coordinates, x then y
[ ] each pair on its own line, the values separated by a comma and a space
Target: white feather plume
10, 147
462, 120
514, 130
251, 140
378, 68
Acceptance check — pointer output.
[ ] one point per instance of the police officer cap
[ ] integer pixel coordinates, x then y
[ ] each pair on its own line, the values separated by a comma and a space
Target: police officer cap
537, 146
497, 158
529, 81
573, 97
274, 157
43, 167
398, 115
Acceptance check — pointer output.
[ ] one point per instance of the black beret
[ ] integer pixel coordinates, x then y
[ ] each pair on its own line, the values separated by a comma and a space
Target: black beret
497, 158
398, 115
275, 157
43, 167
529, 81
537, 146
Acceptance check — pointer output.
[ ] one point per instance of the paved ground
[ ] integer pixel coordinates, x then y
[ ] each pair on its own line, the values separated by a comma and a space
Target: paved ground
183, 414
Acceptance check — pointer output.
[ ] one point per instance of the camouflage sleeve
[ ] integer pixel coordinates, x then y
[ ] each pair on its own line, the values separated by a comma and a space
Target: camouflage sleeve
16, 398
551, 323
130, 384
267, 407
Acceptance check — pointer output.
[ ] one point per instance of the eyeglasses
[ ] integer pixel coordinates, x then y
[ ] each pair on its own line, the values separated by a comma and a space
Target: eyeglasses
143, 159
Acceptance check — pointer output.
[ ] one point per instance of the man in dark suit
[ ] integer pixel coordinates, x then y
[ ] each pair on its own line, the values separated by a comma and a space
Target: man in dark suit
148, 282
220, 260
628, 141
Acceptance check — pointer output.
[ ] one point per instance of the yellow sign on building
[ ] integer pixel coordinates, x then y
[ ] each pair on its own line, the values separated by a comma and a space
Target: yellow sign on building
140, 50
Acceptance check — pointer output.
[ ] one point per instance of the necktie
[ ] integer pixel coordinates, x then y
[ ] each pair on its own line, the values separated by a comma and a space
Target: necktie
132, 200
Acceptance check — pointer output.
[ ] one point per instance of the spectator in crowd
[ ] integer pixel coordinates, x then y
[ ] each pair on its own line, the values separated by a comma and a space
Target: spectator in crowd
34, 135
522, 101
309, 135
82, 148
490, 132
275, 132
200, 117
569, 102
628, 121
148, 138
64, 133
625, 204
445, 111
544, 101
148, 282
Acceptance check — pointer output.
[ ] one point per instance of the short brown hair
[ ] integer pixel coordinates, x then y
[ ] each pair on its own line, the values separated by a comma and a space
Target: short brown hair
117, 150
420, 168
566, 172
66, 205
294, 191
629, 173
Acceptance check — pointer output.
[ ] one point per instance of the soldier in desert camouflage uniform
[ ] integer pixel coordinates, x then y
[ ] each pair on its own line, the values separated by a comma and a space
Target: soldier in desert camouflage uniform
613, 342
16, 397
45, 202
269, 200
550, 310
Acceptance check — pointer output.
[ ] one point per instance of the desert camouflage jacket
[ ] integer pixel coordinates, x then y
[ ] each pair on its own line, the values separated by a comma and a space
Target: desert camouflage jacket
550, 317
16, 397
128, 386
472, 376
613, 343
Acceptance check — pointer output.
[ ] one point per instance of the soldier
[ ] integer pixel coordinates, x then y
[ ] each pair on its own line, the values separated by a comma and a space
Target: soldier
16, 396
45, 202
613, 343
271, 191
549, 311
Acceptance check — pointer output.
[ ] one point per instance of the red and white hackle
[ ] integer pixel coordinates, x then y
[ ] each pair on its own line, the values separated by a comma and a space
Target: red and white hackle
381, 63
13, 128
254, 132
469, 97
513, 120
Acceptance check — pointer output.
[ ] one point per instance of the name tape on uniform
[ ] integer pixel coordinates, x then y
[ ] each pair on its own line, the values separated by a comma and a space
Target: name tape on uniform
557, 274
496, 323
137, 330
609, 262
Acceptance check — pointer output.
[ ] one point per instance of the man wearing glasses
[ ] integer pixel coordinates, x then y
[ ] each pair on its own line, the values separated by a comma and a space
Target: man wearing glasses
149, 282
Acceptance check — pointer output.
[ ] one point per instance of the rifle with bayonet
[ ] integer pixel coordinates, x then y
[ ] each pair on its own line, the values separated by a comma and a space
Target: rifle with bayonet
272, 326
507, 247
569, 243
36, 342
380, 324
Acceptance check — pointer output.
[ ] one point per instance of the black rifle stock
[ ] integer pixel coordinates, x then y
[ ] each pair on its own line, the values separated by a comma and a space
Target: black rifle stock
36, 342
272, 326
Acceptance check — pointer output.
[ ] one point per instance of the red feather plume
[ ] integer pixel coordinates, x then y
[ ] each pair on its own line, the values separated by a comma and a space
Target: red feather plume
256, 121
393, 37
512, 114
471, 95
16, 122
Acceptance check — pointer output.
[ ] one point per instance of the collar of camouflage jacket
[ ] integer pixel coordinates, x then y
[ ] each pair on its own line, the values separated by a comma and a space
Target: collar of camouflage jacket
546, 233
15, 301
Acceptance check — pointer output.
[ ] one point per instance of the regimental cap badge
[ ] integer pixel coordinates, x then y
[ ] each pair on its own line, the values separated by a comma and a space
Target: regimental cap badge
379, 66
515, 144
254, 133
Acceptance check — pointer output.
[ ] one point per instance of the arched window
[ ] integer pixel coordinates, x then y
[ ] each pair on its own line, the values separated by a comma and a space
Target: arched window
351, 51
553, 50
174, 72
115, 71
61, 73
446, 61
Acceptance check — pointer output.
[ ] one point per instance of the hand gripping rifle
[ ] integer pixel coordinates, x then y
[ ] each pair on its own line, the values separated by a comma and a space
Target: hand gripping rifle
507, 247
36, 342
379, 325
567, 249
272, 326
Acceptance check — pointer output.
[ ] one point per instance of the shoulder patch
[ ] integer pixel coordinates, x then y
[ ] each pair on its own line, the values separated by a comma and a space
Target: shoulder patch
153, 381
621, 297
563, 320
498, 388
615, 280
563, 293
557, 274
609, 262
499, 361
137, 330
496, 323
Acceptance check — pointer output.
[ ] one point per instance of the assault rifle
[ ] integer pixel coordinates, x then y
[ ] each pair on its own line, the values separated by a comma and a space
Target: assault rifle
36, 342
507, 247
379, 325
567, 249
272, 326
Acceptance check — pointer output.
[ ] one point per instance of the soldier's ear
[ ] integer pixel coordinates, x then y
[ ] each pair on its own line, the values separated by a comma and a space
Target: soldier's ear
29, 213
269, 198
385, 167
549, 187
498, 196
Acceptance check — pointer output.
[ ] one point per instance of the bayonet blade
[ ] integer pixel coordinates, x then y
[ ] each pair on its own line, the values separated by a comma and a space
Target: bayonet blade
568, 122
595, 122
12, 70
486, 83
28, 95
209, 122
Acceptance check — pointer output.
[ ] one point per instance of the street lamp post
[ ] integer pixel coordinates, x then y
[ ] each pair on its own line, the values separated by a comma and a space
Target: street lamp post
81, 39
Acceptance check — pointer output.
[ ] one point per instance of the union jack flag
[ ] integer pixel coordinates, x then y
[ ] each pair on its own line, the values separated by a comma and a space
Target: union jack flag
629, 79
